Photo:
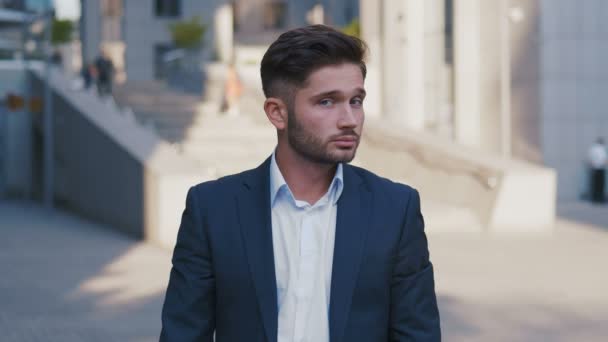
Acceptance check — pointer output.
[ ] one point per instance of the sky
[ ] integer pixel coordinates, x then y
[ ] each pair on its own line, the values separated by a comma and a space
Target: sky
67, 9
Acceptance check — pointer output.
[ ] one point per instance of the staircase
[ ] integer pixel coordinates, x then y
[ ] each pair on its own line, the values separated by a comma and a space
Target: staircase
223, 143
228, 145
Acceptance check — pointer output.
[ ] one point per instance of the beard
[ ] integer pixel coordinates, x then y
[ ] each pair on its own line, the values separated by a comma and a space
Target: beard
313, 147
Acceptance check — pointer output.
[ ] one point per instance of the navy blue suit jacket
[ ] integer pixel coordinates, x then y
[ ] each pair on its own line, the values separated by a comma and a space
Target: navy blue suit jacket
223, 277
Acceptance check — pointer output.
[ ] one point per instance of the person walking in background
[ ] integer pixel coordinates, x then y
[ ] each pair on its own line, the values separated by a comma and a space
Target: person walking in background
233, 89
598, 160
88, 73
57, 59
105, 74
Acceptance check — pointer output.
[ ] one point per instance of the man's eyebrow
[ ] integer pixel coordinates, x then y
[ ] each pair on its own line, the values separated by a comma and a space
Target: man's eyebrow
330, 93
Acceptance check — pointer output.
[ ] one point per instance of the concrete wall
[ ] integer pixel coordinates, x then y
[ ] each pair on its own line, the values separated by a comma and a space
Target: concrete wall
15, 134
503, 195
574, 77
111, 170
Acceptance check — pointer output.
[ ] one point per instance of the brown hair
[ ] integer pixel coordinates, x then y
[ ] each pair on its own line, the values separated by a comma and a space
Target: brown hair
299, 52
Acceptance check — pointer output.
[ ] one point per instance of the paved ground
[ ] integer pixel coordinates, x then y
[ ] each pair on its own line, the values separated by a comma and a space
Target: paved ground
65, 279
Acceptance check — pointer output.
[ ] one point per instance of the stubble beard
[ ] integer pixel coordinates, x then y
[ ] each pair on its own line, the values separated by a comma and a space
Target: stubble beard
312, 147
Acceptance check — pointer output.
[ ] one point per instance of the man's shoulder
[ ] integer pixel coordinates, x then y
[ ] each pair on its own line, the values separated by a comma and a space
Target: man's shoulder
382, 184
222, 185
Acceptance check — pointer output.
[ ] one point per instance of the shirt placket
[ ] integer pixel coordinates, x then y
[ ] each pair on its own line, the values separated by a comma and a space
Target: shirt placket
308, 257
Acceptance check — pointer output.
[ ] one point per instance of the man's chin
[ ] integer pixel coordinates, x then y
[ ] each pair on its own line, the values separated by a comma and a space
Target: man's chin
344, 157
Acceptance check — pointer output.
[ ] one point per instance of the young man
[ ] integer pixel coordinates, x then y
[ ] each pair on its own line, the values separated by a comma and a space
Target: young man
305, 247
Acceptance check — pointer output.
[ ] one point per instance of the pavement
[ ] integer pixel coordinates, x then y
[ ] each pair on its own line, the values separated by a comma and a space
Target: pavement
67, 279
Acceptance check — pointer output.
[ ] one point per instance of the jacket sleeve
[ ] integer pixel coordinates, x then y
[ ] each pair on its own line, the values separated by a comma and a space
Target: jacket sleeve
414, 313
189, 310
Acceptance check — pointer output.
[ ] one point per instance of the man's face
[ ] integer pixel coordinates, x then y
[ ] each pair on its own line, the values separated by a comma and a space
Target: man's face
325, 123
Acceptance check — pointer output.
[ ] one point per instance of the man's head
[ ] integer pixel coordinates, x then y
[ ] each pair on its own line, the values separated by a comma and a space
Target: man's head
313, 81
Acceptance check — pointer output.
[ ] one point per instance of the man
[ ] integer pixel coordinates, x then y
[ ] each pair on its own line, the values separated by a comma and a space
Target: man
105, 73
597, 161
305, 247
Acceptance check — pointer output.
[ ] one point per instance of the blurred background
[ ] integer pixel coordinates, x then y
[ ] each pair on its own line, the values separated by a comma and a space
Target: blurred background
111, 109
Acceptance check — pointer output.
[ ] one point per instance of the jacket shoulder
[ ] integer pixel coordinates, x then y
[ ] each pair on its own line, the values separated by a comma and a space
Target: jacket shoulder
220, 188
384, 185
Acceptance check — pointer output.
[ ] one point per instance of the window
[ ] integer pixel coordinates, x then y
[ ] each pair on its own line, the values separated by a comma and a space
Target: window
449, 31
168, 8
18, 5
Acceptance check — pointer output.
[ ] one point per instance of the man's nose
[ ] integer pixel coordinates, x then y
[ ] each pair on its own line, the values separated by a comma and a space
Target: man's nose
348, 117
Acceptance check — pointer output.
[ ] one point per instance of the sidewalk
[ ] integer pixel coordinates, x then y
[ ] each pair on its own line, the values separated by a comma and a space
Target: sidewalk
65, 279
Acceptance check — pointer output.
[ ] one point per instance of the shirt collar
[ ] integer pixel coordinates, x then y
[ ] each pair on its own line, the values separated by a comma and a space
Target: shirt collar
277, 182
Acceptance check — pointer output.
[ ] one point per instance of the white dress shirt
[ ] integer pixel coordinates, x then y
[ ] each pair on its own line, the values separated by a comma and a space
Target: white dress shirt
598, 156
303, 243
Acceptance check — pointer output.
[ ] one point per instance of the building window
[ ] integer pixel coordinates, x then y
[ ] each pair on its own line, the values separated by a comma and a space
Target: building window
275, 13
449, 31
168, 8
18, 5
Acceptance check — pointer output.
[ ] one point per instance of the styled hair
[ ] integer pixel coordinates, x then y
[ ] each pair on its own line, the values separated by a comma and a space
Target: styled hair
297, 53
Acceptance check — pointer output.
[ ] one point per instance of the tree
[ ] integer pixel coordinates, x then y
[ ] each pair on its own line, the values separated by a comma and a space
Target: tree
188, 34
61, 31
353, 28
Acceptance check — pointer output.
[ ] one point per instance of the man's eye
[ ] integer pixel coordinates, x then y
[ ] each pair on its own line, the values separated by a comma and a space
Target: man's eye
357, 101
326, 102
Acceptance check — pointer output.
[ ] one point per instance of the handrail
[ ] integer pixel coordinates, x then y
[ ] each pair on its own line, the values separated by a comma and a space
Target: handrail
486, 177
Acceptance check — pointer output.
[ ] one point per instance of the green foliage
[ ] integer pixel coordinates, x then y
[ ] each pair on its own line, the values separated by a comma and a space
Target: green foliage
353, 28
188, 34
61, 31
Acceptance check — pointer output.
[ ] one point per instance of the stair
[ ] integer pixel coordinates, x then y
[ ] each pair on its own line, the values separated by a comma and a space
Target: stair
228, 145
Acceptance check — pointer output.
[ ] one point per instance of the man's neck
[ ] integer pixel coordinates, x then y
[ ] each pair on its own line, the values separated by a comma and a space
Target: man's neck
307, 180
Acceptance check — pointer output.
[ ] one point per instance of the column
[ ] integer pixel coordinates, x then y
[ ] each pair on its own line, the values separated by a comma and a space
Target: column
371, 32
415, 47
224, 35
467, 78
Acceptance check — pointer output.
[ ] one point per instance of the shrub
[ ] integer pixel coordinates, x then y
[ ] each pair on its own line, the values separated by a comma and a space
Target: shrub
188, 34
61, 31
353, 28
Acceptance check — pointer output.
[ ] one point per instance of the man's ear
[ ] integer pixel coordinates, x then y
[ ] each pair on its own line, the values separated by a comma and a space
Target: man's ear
276, 111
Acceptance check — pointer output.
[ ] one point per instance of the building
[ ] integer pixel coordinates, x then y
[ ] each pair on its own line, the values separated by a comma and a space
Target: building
136, 34
11, 30
520, 79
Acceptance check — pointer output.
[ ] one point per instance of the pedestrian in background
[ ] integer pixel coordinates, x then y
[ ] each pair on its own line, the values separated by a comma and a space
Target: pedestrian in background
105, 73
598, 158
88, 74
233, 89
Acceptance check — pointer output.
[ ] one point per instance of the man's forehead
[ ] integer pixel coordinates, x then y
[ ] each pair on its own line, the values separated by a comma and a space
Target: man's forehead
344, 70
336, 78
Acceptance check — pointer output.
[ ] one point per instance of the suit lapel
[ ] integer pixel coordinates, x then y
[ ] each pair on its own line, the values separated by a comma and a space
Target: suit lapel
352, 223
255, 220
